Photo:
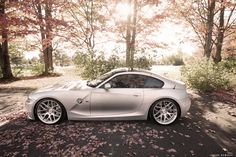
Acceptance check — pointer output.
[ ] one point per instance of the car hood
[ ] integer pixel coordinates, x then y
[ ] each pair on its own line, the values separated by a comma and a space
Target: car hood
74, 85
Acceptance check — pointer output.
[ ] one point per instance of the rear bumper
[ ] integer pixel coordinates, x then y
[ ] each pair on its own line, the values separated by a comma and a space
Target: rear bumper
184, 106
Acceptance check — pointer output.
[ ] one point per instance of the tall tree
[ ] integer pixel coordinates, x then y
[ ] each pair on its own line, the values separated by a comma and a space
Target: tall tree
45, 31
131, 34
134, 30
128, 37
45, 21
200, 15
208, 20
226, 26
4, 53
85, 20
209, 27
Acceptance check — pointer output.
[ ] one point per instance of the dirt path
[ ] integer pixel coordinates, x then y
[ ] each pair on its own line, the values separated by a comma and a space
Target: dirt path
208, 130
13, 95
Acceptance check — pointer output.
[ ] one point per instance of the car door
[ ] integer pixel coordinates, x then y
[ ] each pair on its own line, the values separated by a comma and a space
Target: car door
121, 99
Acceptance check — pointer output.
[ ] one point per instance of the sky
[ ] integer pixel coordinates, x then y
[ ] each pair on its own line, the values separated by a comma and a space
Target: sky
175, 35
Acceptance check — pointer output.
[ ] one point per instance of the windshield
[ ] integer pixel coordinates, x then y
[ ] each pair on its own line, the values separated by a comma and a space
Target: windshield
100, 79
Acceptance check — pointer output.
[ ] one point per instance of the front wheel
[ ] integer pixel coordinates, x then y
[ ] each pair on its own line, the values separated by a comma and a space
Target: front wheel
165, 111
49, 111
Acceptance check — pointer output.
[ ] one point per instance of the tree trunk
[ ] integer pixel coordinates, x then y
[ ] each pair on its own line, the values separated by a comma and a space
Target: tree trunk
209, 28
5, 59
134, 21
48, 17
1, 61
128, 37
220, 38
46, 36
43, 38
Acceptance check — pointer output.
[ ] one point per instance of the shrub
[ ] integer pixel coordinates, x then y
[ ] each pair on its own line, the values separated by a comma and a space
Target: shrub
143, 63
175, 59
229, 64
37, 68
93, 66
206, 76
17, 70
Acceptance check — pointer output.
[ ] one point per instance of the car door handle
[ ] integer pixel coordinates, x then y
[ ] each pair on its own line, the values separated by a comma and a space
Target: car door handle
136, 95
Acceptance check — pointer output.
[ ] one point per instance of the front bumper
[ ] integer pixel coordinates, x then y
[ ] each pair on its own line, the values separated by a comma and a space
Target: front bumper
29, 104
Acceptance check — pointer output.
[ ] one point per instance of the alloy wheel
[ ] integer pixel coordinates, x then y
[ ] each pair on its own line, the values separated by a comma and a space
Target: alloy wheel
165, 111
49, 111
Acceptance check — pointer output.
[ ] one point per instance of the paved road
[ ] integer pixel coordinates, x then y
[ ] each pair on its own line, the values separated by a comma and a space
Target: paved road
207, 131
190, 136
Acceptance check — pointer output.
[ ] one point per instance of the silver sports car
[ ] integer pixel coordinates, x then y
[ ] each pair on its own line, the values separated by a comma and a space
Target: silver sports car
120, 94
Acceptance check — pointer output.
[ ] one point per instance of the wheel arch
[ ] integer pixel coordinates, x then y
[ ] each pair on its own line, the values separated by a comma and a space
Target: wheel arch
52, 98
162, 98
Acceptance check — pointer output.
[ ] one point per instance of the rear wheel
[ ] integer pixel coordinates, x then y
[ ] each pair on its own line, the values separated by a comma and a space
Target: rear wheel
164, 111
49, 111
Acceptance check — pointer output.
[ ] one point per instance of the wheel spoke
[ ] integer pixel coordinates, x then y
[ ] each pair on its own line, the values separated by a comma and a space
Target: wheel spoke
157, 113
43, 114
157, 107
169, 106
56, 112
41, 110
172, 110
44, 106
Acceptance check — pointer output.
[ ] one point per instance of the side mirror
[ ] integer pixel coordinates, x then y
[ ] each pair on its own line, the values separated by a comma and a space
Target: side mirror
107, 86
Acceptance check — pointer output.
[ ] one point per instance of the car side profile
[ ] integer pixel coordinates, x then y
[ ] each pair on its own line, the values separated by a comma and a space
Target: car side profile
120, 94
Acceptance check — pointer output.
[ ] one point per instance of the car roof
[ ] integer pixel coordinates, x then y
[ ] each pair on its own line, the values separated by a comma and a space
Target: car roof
121, 70
139, 71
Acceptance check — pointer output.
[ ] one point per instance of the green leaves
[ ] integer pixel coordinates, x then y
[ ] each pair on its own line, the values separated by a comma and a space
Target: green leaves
206, 76
92, 66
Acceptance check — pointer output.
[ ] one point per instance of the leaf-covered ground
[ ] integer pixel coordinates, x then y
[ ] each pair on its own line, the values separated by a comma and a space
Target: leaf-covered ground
208, 130
188, 137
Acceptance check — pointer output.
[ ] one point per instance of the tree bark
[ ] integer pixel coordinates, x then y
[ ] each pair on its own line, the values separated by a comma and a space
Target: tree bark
220, 38
43, 38
133, 37
5, 59
48, 17
1, 62
128, 37
46, 37
209, 28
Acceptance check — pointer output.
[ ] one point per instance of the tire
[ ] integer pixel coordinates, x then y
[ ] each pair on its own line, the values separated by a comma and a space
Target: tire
50, 111
164, 111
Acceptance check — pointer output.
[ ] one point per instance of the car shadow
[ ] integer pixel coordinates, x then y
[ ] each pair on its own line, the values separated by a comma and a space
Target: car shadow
187, 137
205, 112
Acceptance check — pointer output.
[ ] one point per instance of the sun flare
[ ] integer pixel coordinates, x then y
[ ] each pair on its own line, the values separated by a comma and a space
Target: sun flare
122, 11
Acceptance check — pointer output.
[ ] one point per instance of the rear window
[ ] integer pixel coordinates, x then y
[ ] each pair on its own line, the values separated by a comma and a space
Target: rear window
151, 82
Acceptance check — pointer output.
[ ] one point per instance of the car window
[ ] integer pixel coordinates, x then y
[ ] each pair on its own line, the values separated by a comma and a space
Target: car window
142, 81
135, 81
151, 82
120, 81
